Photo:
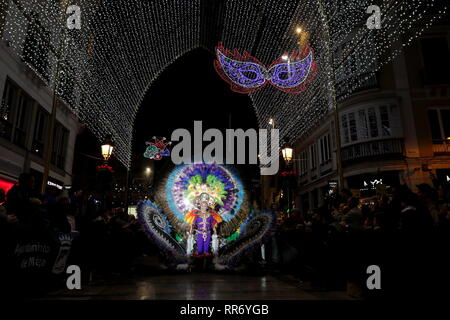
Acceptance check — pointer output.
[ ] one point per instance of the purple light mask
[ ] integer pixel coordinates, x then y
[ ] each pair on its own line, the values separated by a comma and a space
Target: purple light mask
246, 74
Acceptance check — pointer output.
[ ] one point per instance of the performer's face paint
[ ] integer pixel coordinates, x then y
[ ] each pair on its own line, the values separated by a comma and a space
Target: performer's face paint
204, 205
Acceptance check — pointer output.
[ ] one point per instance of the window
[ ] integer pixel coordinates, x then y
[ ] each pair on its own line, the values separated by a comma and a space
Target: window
10, 94
373, 123
433, 120
439, 120
21, 124
352, 126
313, 156
16, 110
329, 146
61, 136
445, 116
385, 125
370, 123
303, 163
325, 149
345, 128
436, 59
364, 130
349, 127
333, 135
40, 132
321, 150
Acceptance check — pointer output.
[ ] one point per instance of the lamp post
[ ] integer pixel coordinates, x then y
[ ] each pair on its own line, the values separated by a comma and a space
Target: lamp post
60, 57
287, 151
148, 174
107, 148
332, 79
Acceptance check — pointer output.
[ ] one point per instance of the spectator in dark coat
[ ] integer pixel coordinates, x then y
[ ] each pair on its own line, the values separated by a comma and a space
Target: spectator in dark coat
414, 217
21, 197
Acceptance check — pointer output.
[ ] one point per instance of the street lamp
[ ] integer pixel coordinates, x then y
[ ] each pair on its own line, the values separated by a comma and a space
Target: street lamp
287, 152
149, 178
107, 148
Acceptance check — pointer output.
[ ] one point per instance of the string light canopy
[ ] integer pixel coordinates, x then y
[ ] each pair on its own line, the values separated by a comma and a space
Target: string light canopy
106, 67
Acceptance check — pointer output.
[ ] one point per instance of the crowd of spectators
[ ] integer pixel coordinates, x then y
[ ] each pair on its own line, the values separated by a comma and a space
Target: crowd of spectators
405, 233
102, 240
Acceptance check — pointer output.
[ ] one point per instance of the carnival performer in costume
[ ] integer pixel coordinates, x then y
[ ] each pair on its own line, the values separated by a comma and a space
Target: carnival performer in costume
203, 220
196, 199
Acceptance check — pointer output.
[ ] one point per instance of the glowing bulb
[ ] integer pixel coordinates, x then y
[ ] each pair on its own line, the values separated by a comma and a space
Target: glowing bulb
298, 30
284, 57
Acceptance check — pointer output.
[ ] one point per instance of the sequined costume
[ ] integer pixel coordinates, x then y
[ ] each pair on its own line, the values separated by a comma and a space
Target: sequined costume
203, 223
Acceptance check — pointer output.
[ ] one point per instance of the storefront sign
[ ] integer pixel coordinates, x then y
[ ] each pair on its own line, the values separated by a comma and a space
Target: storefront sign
6, 185
53, 184
332, 184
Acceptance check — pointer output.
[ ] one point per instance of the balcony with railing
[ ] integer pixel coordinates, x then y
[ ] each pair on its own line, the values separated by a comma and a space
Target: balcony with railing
441, 147
392, 148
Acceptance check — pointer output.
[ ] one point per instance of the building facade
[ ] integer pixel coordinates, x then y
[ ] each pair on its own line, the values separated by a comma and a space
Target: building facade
24, 123
394, 130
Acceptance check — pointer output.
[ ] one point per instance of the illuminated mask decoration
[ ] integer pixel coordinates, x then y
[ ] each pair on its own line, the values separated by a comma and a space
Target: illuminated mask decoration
246, 74
157, 149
